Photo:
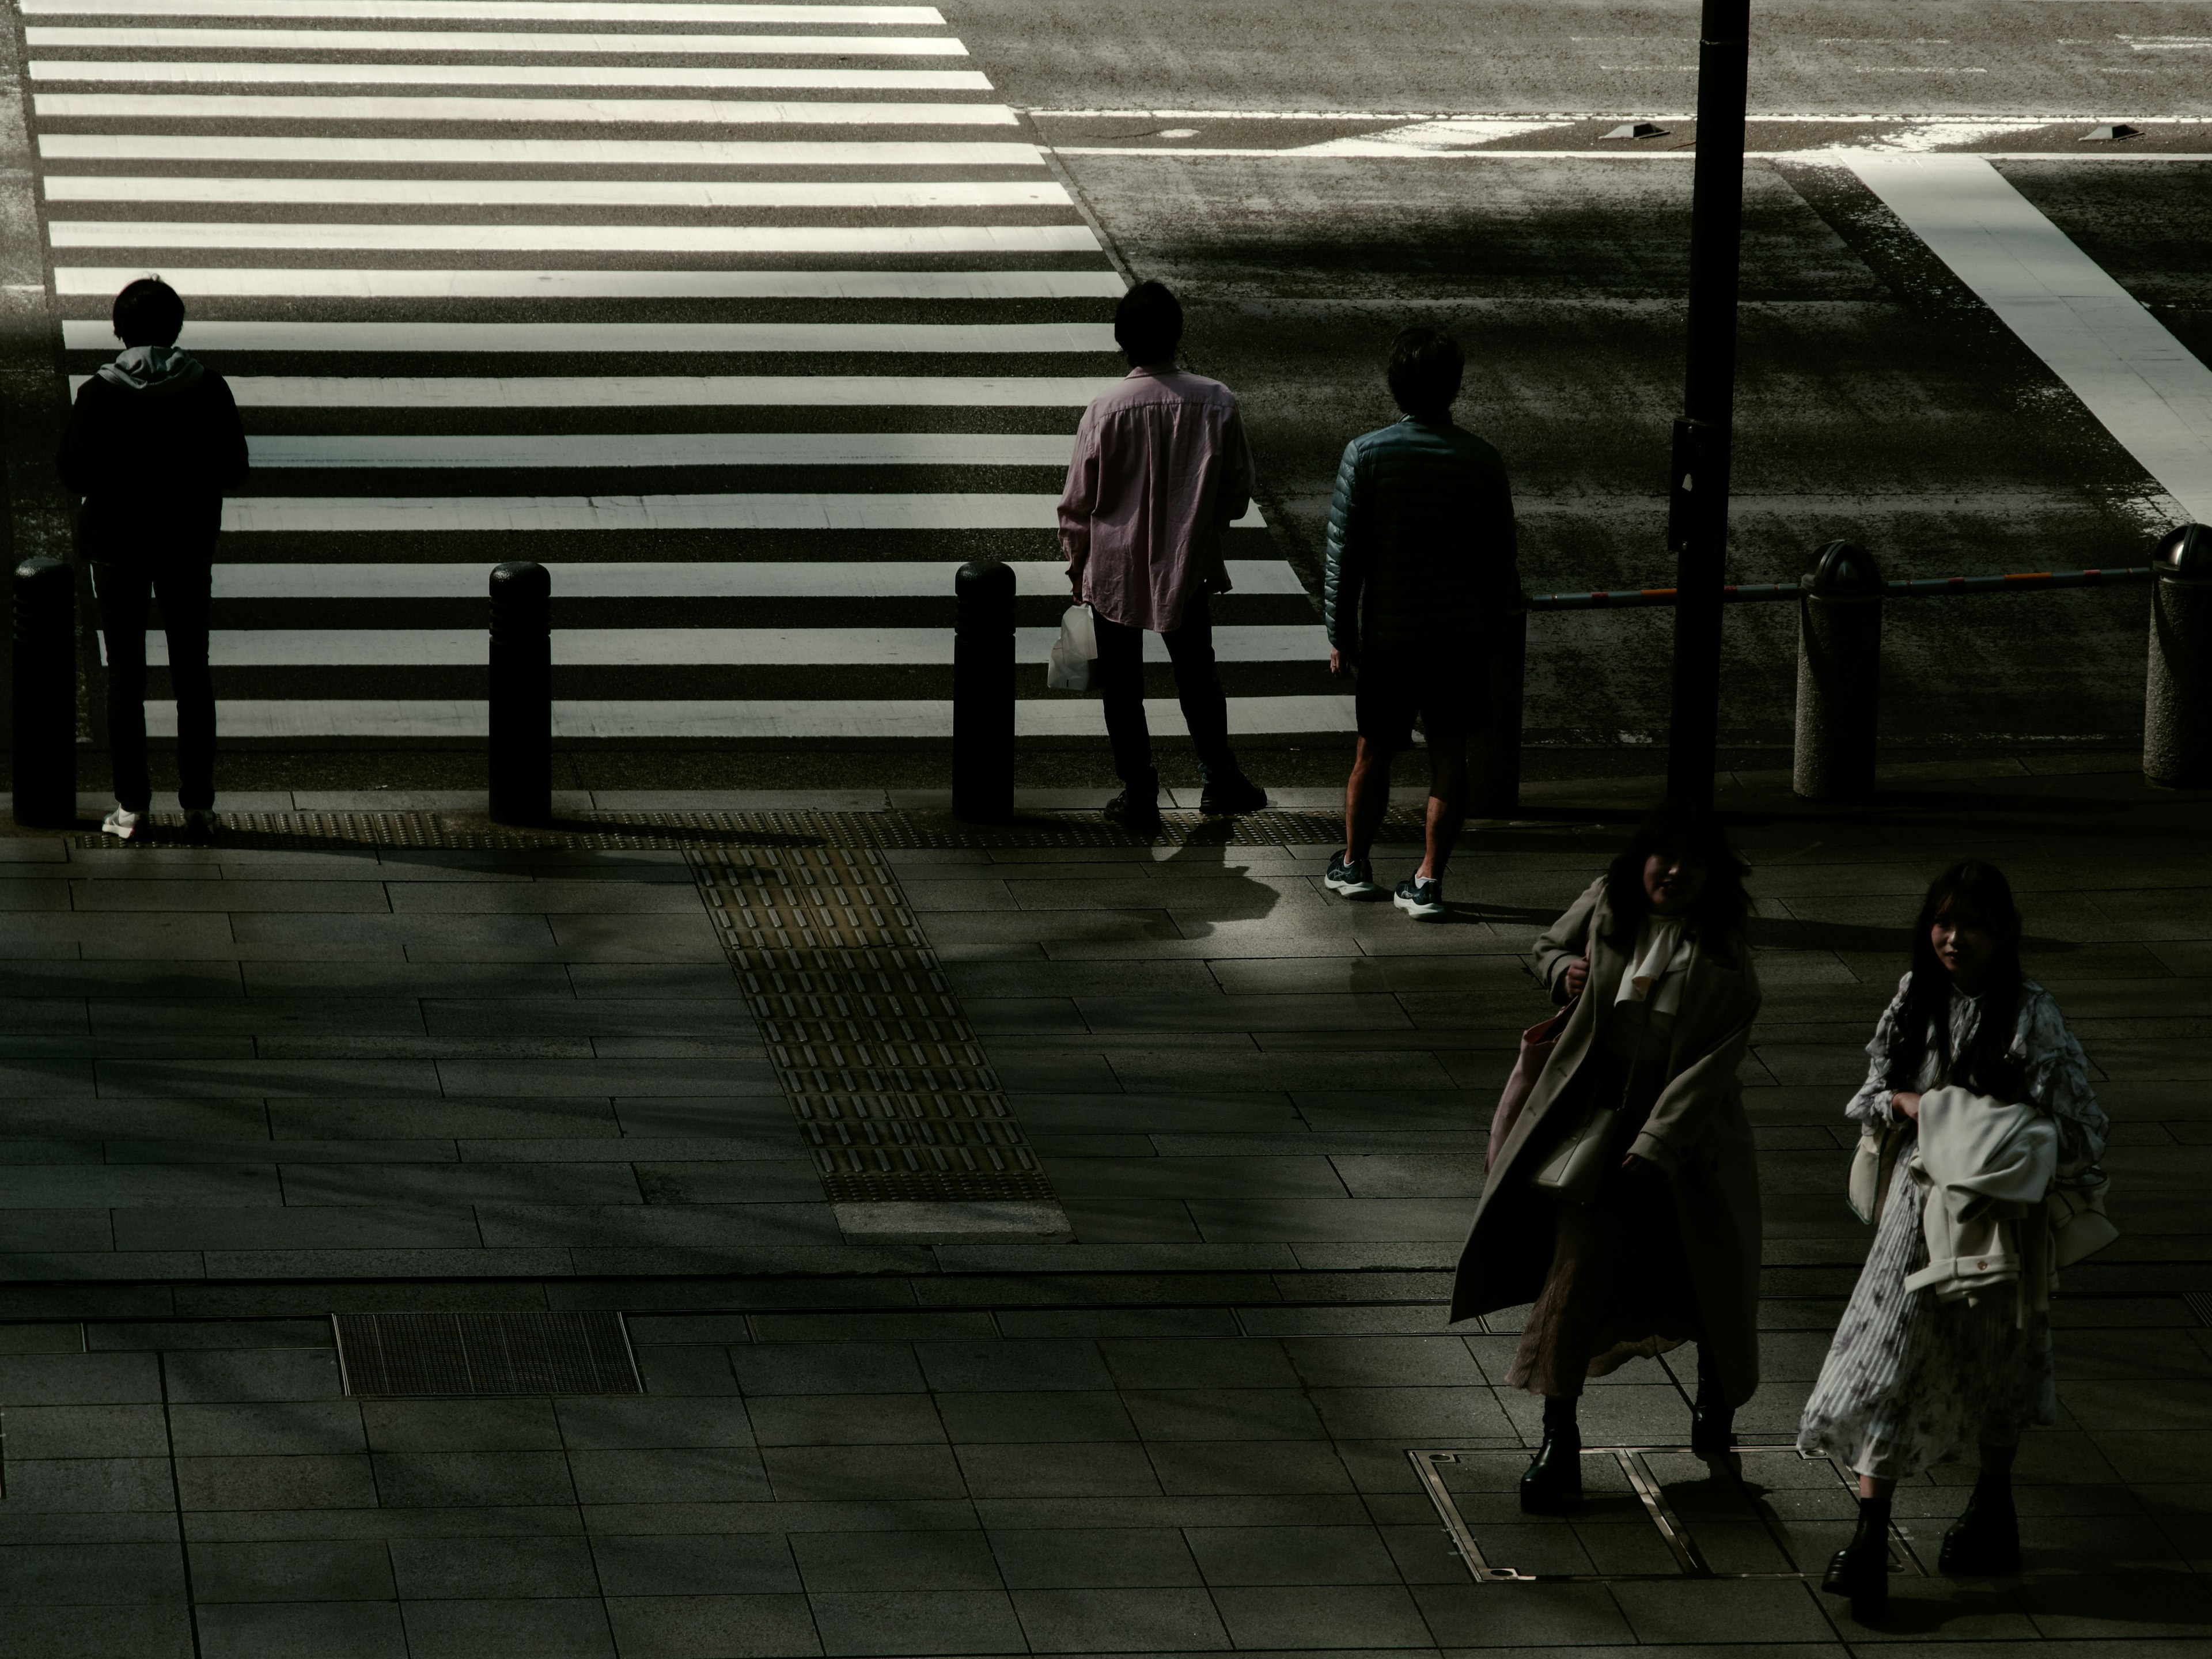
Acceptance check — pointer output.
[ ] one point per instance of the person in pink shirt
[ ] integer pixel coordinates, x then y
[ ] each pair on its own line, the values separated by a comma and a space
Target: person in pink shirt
1161, 470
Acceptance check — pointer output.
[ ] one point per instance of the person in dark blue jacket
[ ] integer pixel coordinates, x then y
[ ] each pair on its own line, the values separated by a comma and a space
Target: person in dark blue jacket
1421, 574
153, 442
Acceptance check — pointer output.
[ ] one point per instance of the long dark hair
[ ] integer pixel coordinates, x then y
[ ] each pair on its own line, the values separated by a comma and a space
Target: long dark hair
1970, 890
1694, 835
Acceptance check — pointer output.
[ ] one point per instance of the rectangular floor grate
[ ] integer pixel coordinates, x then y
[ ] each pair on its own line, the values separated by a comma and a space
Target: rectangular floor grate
485, 1354
889, 1083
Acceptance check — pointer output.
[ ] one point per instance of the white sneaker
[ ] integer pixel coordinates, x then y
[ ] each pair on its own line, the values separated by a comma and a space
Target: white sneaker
124, 825
202, 825
1421, 897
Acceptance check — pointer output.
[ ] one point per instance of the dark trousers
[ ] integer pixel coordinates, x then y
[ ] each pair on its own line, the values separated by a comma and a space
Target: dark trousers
126, 594
1121, 680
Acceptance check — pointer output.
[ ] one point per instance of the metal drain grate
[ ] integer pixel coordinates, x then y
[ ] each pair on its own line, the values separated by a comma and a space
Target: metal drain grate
2200, 1304
892, 1089
639, 831
485, 1354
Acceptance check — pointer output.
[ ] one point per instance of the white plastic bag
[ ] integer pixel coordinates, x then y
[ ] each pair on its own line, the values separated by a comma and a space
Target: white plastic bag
1073, 652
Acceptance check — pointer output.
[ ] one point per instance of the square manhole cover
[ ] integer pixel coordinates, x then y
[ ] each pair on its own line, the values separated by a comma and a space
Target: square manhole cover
485, 1354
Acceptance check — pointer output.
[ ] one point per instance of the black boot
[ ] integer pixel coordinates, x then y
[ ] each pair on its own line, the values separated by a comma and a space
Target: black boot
1985, 1541
1227, 791
1712, 1420
1861, 1569
1137, 808
1553, 1483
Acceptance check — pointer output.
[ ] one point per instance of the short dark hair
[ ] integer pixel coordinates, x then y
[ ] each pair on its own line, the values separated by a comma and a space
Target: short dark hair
149, 312
1425, 367
1148, 324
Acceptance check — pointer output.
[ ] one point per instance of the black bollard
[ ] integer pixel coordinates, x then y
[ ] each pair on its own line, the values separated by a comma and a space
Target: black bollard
983, 693
1497, 792
1838, 674
521, 694
45, 685
2177, 724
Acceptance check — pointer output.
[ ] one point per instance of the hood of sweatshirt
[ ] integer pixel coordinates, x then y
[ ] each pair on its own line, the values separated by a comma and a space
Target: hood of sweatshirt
152, 369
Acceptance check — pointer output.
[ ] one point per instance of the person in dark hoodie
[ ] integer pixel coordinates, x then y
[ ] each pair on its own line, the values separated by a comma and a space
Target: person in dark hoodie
153, 444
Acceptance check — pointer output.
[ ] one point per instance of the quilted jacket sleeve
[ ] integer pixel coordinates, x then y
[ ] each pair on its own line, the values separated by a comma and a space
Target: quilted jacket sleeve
1344, 572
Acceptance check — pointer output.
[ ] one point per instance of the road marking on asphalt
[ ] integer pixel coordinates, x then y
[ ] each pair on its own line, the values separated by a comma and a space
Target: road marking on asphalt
410, 514
146, 72
610, 719
697, 194
582, 238
575, 111
486, 11
717, 579
576, 449
2143, 385
94, 334
518, 42
665, 391
355, 282
174, 148
689, 648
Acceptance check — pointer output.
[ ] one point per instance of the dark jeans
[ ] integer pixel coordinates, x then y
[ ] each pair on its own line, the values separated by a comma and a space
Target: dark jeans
126, 593
1121, 680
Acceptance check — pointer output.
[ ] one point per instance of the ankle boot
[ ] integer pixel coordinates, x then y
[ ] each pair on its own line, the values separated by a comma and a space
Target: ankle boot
1712, 1420
1137, 808
1553, 1483
1861, 1569
1985, 1541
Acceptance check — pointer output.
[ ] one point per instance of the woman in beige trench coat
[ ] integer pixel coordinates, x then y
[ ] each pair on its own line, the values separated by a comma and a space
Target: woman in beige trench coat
1666, 1250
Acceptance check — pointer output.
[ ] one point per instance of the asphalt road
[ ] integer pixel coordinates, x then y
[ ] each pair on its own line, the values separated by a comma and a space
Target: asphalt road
1309, 178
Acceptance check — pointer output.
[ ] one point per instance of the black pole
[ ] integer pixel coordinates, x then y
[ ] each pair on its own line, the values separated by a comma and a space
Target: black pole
44, 682
983, 693
1697, 525
521, 694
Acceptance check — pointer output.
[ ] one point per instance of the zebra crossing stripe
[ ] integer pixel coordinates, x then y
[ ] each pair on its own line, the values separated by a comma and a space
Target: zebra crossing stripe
578, 239
87, 334
146, 72
517, 42
573, 111
488, 11
356, 283
175, 148
420, 514
667, 449
696, 194
642, 579
1065, 716
668, 390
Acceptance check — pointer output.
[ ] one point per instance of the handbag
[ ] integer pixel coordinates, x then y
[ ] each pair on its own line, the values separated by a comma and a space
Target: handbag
1072, 653
1536, 1045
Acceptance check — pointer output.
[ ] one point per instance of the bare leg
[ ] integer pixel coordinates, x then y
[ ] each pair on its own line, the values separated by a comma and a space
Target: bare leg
1871, 1486
1446, 805
1366, 798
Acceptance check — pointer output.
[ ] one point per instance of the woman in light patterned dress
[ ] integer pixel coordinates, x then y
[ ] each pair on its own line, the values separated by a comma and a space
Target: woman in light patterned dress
1910, 1379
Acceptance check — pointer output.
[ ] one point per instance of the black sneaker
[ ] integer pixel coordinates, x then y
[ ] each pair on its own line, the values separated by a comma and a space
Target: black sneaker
1352, 878
1136, 811
1231, 793
1423, 900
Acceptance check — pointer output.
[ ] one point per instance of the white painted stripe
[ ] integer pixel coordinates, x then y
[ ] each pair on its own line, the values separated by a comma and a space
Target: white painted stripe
516, 42
352, 282
87, 334
1056, 716
494, 11
700, 194
2130, 373
148, 73
668, 449
668, 391
578, 239
575, 112
842, 645
416, 514
178, 147
867, 579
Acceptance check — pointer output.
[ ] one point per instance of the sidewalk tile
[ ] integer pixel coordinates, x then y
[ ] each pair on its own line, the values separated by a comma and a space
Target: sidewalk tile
843, 1561
1077, 1470
323, 1570
276, 1483
1094, 1558
120, 1575
695, 1474
809, 1368
477, 1569
435, 1426
1283, 1616
1039, 1418
266, 1429
108, 1431
947, 1621
707, 1564
690, 1626
1291, 1556
845, 1420
325, 1630
1150, 1620
472, 1479
533, 1629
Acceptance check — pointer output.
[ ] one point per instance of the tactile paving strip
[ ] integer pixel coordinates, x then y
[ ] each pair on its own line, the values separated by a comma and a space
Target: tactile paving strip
888, 1081
637, 831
